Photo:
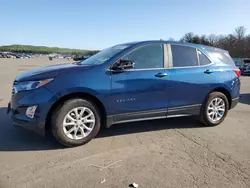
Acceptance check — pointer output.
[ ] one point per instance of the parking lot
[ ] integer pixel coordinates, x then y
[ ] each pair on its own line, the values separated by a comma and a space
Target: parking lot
176, 152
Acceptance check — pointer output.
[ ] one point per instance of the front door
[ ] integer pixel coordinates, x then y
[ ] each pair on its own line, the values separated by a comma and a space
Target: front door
142, 90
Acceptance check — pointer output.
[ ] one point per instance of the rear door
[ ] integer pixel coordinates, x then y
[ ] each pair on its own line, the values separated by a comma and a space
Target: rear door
190, 79
141, 92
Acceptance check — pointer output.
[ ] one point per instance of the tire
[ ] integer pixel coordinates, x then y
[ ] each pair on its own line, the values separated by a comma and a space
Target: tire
204, 116
58, 120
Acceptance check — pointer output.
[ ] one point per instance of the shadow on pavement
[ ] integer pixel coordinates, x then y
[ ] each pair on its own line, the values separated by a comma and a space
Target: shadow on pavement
245, 98
151, 125
17, 139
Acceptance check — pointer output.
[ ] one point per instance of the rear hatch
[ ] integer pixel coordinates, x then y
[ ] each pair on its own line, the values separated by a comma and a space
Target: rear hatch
223, 58
220, 56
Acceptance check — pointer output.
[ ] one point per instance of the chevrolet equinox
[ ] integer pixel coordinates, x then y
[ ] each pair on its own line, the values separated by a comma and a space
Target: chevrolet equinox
124, 83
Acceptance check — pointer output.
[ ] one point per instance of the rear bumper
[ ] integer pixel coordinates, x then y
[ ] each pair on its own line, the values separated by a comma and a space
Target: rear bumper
234, 102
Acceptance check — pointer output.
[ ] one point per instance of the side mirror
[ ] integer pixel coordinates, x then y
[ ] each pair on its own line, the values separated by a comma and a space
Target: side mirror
123, 64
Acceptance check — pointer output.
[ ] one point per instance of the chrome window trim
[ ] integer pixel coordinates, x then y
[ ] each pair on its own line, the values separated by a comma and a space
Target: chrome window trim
166, 68
170, 55
165, 56
198, 58
191, 66
130, 70
170, 58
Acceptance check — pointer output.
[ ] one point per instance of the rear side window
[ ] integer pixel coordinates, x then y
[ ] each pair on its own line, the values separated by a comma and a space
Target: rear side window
184, 56
203, 59
147, 57
221, 55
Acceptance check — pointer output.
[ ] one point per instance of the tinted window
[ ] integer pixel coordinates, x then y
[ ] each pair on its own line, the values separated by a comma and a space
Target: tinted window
203, 59
184, 56
148, 56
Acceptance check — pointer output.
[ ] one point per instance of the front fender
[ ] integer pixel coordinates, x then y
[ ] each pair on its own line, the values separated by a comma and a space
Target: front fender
68, 91
95, 83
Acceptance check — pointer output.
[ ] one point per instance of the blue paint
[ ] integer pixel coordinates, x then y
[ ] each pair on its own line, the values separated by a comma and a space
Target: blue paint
125, 91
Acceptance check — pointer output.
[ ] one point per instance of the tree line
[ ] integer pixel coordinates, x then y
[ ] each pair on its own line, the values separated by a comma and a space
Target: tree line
237, 43
45, 50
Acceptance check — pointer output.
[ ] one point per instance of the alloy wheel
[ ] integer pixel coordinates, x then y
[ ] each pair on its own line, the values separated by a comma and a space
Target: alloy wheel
216, 109
78, 123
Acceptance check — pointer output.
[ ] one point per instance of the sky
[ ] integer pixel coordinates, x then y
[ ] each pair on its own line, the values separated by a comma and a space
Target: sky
97, 24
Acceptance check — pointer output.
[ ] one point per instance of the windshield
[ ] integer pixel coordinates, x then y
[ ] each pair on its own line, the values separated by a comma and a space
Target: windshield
104, 55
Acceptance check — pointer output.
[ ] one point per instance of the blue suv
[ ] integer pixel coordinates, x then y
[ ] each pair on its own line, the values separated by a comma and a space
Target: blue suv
124, 83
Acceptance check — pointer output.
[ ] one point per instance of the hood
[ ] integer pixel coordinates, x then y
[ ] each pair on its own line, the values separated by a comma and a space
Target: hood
48, 72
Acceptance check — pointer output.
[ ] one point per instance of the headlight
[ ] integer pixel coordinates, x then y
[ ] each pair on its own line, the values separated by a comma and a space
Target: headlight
23, 86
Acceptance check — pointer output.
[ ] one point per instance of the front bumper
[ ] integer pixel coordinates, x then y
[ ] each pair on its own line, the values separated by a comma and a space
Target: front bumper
34, 126
41, 97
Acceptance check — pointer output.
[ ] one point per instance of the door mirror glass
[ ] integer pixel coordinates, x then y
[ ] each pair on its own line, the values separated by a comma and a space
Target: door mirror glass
123, 64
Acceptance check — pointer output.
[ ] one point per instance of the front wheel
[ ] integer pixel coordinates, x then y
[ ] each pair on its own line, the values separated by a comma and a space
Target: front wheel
214, 110
76, 122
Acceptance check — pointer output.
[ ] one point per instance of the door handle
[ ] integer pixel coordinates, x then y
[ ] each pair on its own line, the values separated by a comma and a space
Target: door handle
208, 71
160, 74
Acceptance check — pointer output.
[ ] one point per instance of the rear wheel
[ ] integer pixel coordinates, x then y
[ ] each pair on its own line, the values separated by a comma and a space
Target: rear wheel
76, 122
214, 110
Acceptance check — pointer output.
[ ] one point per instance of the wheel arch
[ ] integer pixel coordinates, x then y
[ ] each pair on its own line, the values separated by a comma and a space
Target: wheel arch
225, 92
73, 95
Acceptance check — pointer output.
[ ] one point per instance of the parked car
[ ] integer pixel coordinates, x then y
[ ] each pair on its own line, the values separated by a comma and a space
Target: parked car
5, 54
59, 57
243, 64
124, 83
14, 55
81, 58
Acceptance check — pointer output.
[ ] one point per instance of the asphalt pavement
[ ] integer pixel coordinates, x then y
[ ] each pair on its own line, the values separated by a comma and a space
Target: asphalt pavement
177, 152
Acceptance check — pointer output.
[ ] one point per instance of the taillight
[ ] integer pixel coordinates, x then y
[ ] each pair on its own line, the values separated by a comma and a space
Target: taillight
237, 72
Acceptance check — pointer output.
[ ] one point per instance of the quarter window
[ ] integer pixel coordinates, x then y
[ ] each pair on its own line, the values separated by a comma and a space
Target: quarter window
184, 56
221, 55
147, 57
203, 59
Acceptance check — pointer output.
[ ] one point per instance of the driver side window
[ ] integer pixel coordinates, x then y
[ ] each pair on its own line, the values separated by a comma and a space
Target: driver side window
147, 57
